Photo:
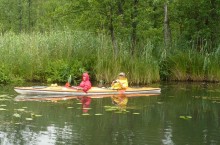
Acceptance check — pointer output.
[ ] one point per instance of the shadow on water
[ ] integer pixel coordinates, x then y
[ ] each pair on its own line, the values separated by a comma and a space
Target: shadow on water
184, 113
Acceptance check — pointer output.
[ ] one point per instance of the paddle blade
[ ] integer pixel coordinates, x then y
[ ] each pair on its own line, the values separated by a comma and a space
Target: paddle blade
69, 79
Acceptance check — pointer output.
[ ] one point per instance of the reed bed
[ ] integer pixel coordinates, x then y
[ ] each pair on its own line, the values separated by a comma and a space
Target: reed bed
53, 56
192, 65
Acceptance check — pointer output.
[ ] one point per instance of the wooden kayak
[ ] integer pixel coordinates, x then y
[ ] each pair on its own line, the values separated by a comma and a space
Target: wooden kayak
60, 90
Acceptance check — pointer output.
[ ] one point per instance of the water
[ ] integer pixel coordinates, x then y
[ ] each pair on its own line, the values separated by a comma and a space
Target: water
183, 114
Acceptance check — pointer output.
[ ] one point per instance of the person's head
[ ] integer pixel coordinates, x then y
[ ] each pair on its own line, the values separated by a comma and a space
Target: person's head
121, 75
85, 77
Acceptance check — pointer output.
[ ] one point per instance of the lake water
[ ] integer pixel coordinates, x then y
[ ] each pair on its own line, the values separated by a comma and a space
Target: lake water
183, 114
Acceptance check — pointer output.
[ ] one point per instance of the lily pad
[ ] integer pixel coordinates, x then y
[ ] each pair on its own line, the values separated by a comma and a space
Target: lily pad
136, 113
29, 119
17, 115
87, 108
86, 114
110, 109
3, 105
69, 107
20, 109
3, 96
98, 114
182, 117
185, 117
107, 106
2, 109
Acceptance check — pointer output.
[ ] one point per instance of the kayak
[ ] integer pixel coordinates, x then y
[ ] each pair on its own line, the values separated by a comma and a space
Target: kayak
54, 98
60, 90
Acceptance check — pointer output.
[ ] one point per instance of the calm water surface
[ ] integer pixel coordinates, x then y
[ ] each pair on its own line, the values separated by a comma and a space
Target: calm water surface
183, 114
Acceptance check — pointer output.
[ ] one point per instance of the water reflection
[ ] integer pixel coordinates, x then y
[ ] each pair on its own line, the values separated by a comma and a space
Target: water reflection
120, 101
147, 120
86, 101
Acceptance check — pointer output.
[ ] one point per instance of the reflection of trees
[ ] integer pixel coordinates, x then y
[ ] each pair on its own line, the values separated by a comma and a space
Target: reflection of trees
194, 100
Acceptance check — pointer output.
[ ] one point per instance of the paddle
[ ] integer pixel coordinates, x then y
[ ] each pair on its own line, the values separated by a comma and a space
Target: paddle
68, 82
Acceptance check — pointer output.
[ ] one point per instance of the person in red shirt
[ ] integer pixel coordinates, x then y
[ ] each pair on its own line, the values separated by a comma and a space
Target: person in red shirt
85, 85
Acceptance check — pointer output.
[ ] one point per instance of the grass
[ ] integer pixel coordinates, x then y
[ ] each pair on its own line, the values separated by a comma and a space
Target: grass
52, 57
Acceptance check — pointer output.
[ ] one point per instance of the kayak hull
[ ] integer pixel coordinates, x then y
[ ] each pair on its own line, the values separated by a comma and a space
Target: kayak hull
93, 91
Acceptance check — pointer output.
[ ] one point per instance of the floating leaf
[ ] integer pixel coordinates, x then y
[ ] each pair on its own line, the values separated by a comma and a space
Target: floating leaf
110, 109
29, 119
185, 117
2, 109
3, 105
20, 109
17, 115
85, 114
69, 107
4, 99
3, 96
98, 114
136, 113
182, 117
37, 115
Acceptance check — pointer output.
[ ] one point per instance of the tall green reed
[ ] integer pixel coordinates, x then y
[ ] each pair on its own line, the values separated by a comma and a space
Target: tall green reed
53, 56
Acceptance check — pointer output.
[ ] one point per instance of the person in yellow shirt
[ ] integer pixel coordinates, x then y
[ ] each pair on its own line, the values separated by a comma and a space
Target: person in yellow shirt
121, 83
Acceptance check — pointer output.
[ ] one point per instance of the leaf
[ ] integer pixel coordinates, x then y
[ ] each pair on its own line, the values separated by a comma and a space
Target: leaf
182, 117
189, 117
70, 107
17, 115
3, 105
98, 114
86, 114
20, 109
136, 113
29, 119
2, 109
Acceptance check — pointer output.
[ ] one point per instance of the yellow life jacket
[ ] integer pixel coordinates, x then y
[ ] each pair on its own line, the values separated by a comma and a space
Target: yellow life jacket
121, 84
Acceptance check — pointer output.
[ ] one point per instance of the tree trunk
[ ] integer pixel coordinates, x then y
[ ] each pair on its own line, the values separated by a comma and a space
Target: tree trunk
20, 15
29, 15
134, 27
167, 32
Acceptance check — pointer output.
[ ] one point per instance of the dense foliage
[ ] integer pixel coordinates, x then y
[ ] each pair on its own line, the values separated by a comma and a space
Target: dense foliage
150, 40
